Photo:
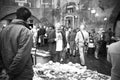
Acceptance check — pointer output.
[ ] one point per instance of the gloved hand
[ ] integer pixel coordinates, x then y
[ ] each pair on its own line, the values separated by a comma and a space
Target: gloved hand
4, 75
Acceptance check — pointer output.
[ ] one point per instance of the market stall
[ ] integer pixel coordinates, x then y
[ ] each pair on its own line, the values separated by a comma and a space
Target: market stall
70, 71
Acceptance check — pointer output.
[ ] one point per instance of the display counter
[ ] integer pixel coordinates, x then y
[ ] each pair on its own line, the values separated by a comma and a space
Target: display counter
70, 71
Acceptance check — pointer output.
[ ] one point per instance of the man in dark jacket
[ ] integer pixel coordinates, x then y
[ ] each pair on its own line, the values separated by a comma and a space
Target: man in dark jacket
41, 34
51, 42
56, 49
16, 44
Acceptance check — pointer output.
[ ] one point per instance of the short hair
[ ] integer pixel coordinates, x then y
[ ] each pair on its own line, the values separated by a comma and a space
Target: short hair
23, 13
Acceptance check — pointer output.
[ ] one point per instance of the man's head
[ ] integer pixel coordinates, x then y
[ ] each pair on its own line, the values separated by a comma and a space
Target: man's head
23, 13
82, 26
58, 27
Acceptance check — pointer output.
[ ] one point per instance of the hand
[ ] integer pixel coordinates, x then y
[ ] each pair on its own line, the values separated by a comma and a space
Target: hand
56, 39
4, 75
3, 71
46, 35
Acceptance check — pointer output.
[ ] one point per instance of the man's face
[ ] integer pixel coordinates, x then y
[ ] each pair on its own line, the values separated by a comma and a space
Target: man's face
82, 27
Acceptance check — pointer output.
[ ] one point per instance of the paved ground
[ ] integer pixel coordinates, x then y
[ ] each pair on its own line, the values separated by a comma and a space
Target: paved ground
101, 65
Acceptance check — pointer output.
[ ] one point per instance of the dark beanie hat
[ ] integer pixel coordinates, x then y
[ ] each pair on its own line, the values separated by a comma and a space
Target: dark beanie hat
23, 13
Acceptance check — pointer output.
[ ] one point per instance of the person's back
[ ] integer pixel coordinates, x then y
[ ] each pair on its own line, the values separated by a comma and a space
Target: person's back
114, 58
16, 44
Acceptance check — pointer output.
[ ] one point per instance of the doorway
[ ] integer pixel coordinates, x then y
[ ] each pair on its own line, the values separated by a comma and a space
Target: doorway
69, 21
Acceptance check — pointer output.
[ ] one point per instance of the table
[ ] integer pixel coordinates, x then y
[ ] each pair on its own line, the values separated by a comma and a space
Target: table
70, 71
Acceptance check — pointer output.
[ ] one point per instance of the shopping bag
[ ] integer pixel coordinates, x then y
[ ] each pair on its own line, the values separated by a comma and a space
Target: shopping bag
64, 53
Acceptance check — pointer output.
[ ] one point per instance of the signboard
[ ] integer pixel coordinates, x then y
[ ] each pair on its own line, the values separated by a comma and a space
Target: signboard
21, 1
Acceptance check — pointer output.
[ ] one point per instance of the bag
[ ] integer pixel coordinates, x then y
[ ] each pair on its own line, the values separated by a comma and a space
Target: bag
76, 52
85, 43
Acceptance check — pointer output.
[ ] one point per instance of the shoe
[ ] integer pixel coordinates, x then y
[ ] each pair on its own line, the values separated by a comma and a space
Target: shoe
83, 65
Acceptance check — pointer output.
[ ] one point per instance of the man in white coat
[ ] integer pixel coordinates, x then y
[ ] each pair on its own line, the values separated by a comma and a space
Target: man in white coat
82, 36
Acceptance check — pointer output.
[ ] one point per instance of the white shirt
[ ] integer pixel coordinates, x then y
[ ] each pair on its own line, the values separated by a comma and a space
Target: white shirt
86, 35
79, 37
59, 42
34, 31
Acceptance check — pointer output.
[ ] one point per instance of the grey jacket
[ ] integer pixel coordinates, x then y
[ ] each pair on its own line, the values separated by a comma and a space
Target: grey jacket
113, 57
16, 43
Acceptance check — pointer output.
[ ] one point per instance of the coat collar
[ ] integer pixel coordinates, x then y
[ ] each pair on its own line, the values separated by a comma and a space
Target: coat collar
17, 20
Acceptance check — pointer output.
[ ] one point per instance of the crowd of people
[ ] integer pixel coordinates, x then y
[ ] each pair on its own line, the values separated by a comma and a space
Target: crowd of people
17, 39
94, 39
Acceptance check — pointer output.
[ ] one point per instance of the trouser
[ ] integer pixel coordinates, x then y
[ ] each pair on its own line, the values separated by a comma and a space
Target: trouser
58, 56
19, 78
97, 48
113, 77
72, 47
82, 57
42, 39
22, 79
53, 57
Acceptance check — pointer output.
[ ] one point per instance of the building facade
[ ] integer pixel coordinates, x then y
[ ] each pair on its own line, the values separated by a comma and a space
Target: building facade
64, 11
